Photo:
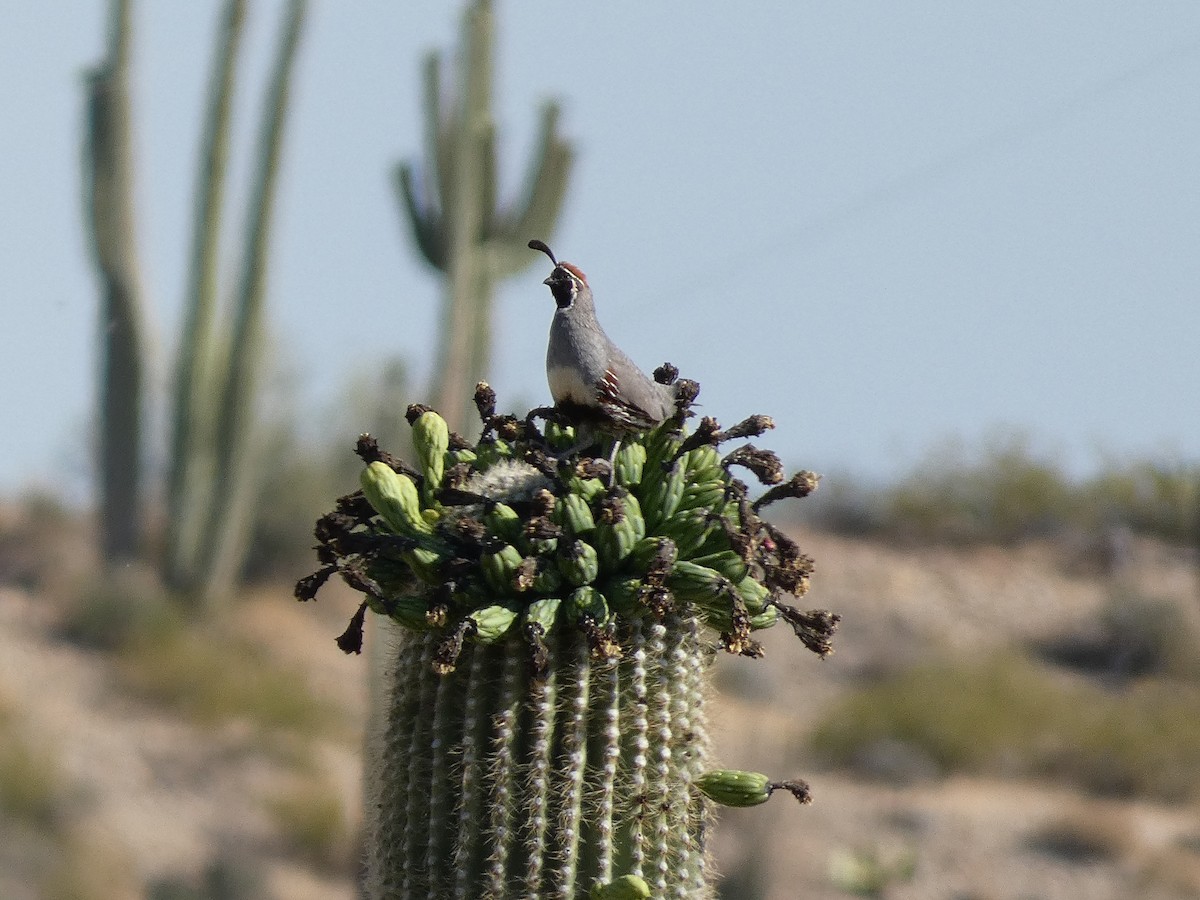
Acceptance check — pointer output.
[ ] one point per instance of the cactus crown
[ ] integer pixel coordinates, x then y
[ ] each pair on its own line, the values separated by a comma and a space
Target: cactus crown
514, 535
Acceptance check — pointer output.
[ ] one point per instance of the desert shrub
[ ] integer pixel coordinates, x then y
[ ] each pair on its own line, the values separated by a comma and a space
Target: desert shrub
1007, 490
868, 872
115, 609
1007, 716
1134, 635
32, 788
230, 876
1157, 497
311, 818
1085, 834
90, 865
216, 677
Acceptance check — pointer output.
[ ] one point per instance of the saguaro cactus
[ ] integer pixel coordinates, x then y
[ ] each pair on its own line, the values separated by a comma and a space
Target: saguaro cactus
211, 490
546, 731
109, 198
458, 223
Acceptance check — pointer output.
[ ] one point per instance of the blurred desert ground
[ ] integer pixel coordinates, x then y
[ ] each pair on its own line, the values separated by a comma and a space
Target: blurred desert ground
990, 727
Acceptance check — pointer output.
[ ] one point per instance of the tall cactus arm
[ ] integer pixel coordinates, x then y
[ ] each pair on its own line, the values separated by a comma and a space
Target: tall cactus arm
191, 461
234, 486
442, 133
428, 226
545, 190
108, 176
452, 202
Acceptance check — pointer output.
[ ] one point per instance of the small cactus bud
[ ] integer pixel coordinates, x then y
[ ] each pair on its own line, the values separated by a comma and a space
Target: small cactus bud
627, 887
492, 622
394, 496
731, 787
431, 439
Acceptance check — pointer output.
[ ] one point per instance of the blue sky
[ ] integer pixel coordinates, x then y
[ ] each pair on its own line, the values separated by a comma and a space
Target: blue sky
884, 224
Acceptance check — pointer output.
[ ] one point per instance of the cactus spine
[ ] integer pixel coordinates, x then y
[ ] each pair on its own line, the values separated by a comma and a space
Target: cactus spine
452, 206
547, 738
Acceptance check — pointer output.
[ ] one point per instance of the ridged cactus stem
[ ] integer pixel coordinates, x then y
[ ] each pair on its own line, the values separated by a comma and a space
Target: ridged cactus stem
545, 733
234, 489
109, 196
501, 788
584, 769
192, 462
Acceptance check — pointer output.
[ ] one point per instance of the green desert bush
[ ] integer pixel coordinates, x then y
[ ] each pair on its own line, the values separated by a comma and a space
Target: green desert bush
1085, 834
90, 865
1009, 717
214, 677
113, 610
311, 818
32, 788
1008, 490
1133, 635
230, 876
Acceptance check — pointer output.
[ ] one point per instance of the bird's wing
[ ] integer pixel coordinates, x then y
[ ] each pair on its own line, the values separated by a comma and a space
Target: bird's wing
618, 405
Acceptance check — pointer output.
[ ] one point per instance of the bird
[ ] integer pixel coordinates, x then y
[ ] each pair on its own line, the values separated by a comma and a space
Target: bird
592, 380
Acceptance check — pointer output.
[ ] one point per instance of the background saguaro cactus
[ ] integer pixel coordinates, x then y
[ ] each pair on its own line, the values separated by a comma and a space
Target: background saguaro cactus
232, 495
211, 478
545, 734
108, 170
458, 221
192, 463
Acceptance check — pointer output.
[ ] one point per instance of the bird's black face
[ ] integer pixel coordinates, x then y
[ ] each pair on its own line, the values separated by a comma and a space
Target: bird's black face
564, 285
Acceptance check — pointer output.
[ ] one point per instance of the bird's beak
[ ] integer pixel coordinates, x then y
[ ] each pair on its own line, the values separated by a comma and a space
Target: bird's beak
548, 280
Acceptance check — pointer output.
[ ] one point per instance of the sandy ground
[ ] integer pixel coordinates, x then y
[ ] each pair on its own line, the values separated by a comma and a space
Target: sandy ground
168, 794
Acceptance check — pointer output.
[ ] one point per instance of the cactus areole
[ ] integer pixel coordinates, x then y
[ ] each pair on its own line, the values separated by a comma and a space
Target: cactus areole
546, 730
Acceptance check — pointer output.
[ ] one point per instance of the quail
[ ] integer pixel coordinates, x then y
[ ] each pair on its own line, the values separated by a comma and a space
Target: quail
591, 378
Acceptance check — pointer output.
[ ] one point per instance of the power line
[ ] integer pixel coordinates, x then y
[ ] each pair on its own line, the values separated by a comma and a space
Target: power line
890, 189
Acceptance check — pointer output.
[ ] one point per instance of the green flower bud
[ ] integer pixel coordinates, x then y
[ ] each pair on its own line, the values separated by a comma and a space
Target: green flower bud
394, 496
731, 787
692, 581
431, 439
689, 530
503, 522
548, 578
754, 593
627, 887
702, 495
543, 612
727, 563
630, 459
624, 594
704, 464
405, 610
574, 514
492, 623
648, 550
587, 601
560, 437
425, 563
579, 563
661, 495
619, 529
500, 567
